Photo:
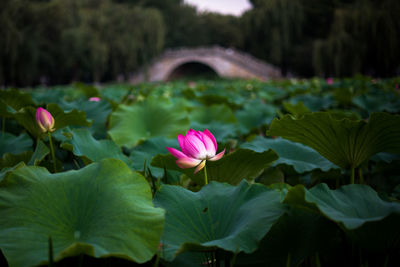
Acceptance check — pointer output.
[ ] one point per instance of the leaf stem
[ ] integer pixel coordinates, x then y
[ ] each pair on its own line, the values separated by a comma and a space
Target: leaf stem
3, 124
51, 259
317, 260
288, 260
360, 174
205, 174
52, 152
352, 176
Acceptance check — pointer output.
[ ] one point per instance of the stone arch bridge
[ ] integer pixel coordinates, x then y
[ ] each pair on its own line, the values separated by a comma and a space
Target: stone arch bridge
225, 62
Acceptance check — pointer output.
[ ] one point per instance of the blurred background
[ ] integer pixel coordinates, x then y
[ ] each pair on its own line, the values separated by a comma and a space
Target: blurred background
59, 41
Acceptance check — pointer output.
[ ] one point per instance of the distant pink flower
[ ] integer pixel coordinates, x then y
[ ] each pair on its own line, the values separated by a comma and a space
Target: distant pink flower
94, 99
197, 147
396, 86
329, 80
45, 120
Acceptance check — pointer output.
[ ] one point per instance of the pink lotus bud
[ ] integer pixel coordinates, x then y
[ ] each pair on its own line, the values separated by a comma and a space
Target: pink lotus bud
197, 147
45, 120
329, 80
94, 99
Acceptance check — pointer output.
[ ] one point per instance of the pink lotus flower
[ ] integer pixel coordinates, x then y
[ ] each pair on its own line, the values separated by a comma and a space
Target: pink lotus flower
45, 120
329, 80
95, 99
197, 147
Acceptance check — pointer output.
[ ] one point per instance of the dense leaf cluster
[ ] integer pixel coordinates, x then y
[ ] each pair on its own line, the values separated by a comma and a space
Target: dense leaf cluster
310, 176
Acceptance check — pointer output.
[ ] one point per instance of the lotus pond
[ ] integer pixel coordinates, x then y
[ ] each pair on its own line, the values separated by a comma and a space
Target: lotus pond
309, 174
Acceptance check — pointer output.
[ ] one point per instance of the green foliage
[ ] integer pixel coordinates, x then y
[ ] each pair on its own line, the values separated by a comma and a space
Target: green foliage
202, 221
358, 204
301, 157
266, 204
82, 144
144, 153
232, 168
344, 142
40, 152
14, 144
81, 211
151, 118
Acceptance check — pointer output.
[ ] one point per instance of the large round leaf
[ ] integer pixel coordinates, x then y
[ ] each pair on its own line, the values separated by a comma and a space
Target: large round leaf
231, 168
101, 210
13, 100
10, 143
301, 157
254, 114
219, 119
207, 114
83, 144
345, 142
233, 218
151, 118
95, 111
350, 205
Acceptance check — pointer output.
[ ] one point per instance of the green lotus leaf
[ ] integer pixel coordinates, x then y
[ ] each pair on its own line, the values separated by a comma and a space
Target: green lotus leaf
13, 100
10, 160
144, 153
148, 119
207, 114
233, 218
222, 131
301, 157
231, 168
83, 144
344, 142
218, 119
97, 112
4, 172
352, 205
87, 90
41, 151
313, 102
70, 118
101, 210
27, 118
10, 143
374, 102
297, 109
254, 114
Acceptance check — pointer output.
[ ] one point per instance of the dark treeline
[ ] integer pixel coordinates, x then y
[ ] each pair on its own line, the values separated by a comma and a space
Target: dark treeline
59, 41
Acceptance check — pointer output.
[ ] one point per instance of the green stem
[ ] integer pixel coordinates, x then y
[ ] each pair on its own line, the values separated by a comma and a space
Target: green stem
52, 152
352, 176
3, 124
288, 261
317, 260
51, 261
157, 261
205, 174
360, 174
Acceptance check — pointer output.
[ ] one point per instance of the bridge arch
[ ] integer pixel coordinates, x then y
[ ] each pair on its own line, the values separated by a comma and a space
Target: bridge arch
227, 63
192, 69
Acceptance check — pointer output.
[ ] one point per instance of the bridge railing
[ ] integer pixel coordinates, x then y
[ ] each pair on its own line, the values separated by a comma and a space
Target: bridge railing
230, 54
